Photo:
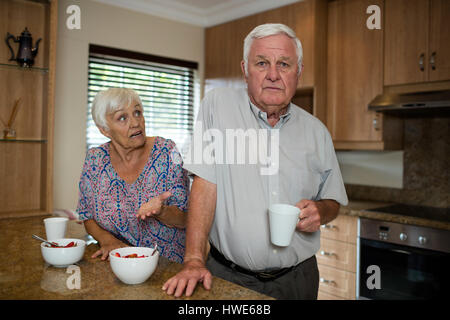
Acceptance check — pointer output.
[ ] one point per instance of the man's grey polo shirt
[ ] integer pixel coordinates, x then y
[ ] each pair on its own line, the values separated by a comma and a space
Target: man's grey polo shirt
307, 169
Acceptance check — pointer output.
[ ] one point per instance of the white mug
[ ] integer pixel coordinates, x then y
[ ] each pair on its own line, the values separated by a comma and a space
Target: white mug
55, 228
282, 221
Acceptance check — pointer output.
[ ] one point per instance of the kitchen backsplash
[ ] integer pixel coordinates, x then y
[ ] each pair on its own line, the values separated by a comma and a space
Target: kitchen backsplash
426, 167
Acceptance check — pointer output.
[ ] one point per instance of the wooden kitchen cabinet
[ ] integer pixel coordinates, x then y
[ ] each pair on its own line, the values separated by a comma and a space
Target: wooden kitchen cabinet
337, 282
343, 228
355, 77
439, 40
338, 254
26, 167
326, 296
417, 41
224, 50
336, 259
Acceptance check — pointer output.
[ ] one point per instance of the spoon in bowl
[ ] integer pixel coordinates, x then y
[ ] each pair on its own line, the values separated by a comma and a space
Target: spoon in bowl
154, 250
43, 240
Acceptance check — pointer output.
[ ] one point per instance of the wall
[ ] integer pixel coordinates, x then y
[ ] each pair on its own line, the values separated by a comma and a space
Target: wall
426, 174
372, 168
109, 26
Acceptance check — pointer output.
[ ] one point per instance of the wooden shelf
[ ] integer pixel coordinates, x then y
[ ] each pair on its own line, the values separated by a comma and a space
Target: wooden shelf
24, 140
23, 214
26, 162
28, 69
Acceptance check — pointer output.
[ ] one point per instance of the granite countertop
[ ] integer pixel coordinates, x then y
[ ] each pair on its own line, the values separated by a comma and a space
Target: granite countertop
358, 208
25, 275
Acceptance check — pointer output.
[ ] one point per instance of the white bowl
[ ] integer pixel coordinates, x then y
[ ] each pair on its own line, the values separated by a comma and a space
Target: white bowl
133, 270
63, 257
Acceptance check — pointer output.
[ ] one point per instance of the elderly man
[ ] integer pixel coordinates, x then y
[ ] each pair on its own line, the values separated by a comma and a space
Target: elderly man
229, 201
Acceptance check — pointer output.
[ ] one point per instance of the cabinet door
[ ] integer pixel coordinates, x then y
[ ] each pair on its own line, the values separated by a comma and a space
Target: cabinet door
355, 66
439, 41
406, 41
337, 282
343, 228
337, 254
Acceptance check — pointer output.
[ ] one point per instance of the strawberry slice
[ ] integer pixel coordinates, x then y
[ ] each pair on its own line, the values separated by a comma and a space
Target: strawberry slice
71, 244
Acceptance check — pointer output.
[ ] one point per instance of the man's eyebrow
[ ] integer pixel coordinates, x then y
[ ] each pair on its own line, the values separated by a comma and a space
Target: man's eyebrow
282, 58
285, 58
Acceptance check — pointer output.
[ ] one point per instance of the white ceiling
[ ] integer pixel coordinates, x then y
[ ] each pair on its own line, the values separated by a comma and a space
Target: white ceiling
204, 13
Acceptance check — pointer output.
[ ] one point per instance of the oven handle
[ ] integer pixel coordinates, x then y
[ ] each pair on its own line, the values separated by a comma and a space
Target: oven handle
400, 251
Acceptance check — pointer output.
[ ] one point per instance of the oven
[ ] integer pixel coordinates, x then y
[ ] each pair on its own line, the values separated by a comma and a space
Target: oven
402, 262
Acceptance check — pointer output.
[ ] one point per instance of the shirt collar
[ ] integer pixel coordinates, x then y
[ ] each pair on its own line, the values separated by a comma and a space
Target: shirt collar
262, 116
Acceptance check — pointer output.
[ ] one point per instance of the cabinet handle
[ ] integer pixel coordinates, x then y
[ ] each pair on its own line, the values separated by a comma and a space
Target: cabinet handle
421, 65
328, 226
375, 124
433, 61
325, 281
327, 254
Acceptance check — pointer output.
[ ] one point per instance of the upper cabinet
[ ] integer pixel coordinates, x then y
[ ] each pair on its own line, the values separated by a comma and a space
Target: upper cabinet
439, 68
355, 77
417, 41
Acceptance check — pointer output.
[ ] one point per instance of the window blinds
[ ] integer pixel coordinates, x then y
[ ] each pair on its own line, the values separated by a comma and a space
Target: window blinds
166, 91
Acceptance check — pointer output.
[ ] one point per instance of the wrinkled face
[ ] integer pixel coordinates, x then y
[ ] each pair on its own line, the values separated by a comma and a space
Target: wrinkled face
126, 126
272, 72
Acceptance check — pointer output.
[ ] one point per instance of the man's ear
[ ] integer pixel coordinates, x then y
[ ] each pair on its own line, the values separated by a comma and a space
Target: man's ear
300, 74
243, 70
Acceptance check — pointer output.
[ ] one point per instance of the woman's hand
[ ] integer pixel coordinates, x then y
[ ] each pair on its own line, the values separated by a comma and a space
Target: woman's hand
153, 207
107, 247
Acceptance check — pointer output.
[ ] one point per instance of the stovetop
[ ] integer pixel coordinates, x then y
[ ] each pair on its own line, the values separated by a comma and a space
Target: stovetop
431, 213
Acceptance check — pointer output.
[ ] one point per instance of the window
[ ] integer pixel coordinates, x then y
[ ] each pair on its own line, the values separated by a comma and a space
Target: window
167, 88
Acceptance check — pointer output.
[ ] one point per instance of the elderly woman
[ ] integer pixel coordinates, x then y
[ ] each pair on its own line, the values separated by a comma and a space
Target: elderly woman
133, 190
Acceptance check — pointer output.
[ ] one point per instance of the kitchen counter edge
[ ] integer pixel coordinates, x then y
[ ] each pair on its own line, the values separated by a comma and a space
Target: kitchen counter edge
358, 208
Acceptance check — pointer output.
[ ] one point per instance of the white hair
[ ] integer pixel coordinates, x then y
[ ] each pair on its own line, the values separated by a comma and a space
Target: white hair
110, 100
271, 29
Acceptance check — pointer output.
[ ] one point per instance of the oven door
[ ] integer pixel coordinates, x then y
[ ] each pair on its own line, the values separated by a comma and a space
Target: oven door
406, 273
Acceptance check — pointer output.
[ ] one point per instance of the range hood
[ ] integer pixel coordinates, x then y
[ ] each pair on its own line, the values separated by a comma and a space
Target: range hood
435, 103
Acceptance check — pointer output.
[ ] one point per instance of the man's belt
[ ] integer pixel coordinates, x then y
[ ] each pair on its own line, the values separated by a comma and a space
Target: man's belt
262, 276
